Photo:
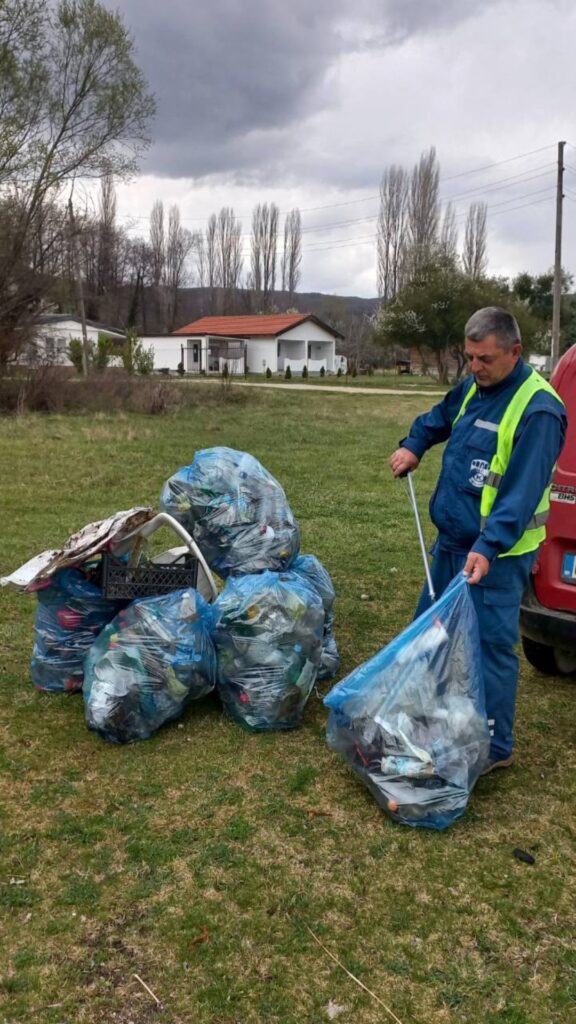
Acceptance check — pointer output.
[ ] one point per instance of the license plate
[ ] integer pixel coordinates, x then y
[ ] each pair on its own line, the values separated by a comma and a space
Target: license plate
568, 571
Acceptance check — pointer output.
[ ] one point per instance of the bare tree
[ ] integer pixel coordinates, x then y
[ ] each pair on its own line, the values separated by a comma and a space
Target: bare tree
157, 241
391, 231
449, 233
199, 250
107, 255
263, 256
474, 255
292, 253
178, 247
228, 255
139, 274
211, 260
423, 210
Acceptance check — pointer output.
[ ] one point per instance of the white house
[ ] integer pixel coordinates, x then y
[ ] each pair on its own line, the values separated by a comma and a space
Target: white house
53, 333
257, 343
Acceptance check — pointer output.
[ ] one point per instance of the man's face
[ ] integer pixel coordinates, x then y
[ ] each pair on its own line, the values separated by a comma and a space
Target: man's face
488, 362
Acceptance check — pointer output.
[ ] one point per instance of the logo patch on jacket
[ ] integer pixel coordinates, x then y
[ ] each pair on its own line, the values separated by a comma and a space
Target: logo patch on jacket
479, 469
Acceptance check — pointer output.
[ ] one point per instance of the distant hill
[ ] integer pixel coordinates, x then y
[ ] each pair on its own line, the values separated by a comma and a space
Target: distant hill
197, 302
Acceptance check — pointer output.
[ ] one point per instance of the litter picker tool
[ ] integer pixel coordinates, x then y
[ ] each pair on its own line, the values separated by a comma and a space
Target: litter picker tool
414, 504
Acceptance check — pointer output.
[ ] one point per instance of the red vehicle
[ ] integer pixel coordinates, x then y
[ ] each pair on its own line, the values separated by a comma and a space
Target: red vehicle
548, 611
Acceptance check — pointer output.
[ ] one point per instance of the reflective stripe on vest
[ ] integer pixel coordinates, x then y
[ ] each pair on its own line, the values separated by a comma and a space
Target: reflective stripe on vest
535, 531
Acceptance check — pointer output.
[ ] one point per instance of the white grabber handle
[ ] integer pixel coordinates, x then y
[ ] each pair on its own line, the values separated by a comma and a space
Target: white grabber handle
414, 504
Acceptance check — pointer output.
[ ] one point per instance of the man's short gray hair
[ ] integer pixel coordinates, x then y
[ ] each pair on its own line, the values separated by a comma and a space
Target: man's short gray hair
496, 321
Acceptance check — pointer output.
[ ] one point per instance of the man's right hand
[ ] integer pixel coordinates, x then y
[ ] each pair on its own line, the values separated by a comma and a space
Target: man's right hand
402, 461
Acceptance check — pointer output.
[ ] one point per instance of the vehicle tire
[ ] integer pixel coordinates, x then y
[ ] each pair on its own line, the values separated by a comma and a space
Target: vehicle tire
549, 660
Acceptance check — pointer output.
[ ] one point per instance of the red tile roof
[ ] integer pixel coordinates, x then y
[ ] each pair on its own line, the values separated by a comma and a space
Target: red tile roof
251, 326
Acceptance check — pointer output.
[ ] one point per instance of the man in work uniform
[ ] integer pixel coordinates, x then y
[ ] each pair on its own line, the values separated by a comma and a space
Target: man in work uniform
505, 428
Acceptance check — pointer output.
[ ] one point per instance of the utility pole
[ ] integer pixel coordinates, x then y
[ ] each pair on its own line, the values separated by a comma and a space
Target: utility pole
555, 349
78, 284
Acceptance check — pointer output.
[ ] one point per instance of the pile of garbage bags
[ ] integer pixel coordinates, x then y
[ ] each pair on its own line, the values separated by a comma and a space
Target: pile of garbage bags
411, 721
70, 614
236, 511
264, 642
268, 637
148, 664
271, 647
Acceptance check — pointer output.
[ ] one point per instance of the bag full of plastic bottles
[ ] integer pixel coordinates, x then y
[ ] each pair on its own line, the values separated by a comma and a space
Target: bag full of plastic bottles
71, 612
268, 638
148, 664
411, 721
236, 511
311, 569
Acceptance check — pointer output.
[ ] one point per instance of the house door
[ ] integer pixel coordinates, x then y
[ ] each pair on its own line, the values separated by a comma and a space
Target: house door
193, 356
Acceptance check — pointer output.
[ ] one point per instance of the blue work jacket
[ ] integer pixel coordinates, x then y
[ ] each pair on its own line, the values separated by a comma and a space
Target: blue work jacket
455, 503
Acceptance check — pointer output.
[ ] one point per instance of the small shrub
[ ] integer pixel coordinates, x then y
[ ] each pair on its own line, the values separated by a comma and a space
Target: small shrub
268, 372
75, 351
339, 372
135, 358
322, 371
180, 369
143, 360
288, 373
304, 372
102, 354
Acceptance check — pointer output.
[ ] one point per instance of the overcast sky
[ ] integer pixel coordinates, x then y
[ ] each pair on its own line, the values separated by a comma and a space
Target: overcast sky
305, 102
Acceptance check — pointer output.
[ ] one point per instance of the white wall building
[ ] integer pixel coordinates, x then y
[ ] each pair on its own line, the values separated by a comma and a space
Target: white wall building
53, 332
258, 343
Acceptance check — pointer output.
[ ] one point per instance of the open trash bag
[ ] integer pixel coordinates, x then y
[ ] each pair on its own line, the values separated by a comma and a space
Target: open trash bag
269, 640
312, 570
411, 721
148, 664
236, 511
71, 612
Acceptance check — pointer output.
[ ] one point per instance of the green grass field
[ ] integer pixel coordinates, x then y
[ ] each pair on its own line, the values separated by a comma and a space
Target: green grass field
201, 859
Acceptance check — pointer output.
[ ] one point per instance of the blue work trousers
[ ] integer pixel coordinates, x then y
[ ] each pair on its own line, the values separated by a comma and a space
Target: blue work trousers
497, 601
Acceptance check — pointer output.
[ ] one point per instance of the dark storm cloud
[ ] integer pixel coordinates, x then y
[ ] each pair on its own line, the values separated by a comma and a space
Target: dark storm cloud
234, 79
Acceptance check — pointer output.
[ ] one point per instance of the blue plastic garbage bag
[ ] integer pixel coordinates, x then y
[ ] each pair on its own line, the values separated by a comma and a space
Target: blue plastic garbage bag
269, 640
236, 511
412, 722
148, 665
314, 572
71, 612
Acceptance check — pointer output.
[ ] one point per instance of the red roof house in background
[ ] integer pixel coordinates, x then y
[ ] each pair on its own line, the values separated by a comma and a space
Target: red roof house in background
249, 343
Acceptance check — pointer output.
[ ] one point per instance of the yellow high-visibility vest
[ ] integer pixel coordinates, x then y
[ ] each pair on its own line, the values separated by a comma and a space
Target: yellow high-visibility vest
536, 530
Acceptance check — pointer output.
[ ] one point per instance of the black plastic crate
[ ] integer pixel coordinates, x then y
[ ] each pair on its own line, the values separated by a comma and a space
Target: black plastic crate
122, 581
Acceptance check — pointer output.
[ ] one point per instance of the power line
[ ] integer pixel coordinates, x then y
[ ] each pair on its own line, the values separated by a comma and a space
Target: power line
341, 243
488, 167
497, 186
